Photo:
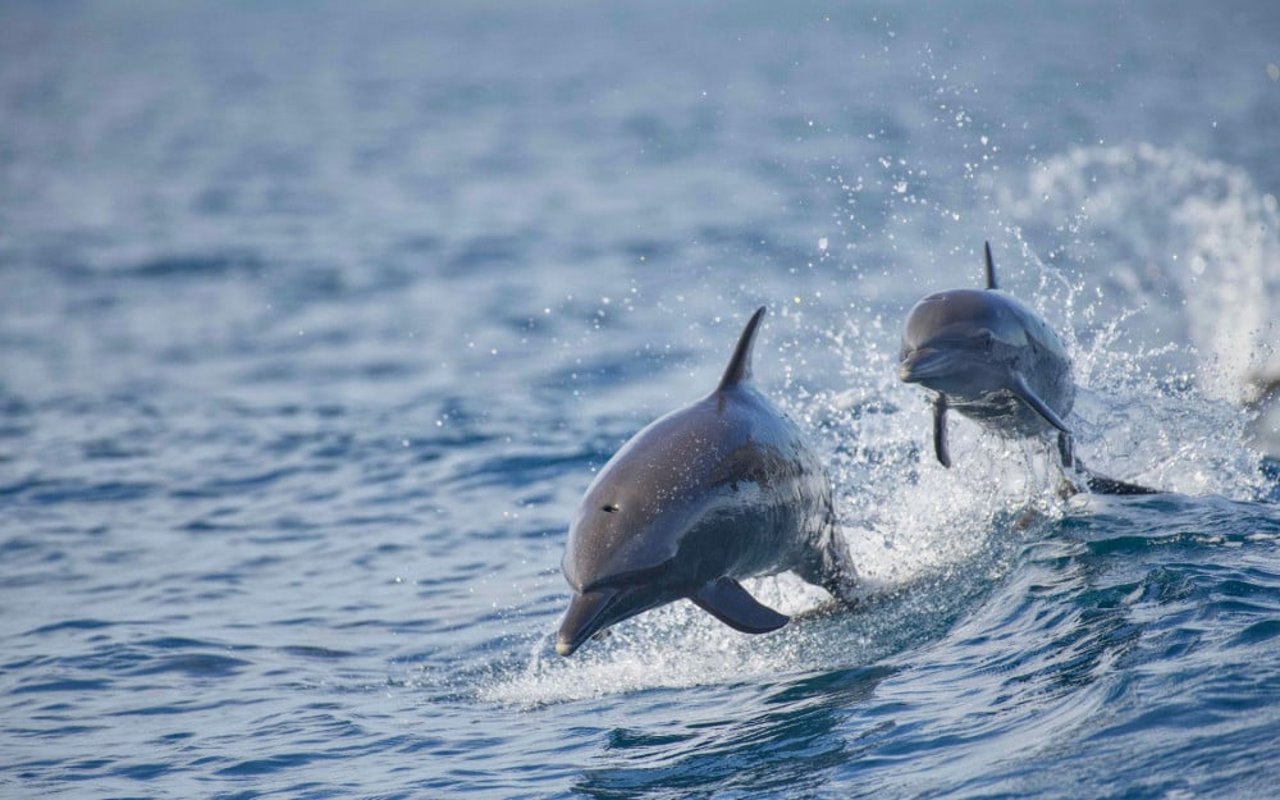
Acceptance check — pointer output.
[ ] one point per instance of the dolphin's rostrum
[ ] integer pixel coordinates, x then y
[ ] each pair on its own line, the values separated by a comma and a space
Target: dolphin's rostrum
993, 359
722, 489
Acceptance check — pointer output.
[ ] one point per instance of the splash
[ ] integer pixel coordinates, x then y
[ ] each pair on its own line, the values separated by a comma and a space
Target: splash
1157, 273
1160, 268
1178, 249
679, 646
925, 551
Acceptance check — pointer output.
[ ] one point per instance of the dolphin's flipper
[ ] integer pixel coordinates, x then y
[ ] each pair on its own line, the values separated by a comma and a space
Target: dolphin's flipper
991, 267
739, 369
1020, 388
940, 431
1065, 450
1101, 484
727, 601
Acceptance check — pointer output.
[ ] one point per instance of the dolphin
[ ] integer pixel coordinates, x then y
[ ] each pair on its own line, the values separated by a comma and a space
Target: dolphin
990, 357
722, 489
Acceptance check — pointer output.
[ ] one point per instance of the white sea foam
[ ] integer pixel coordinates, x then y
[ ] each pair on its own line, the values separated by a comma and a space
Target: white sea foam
1189, 247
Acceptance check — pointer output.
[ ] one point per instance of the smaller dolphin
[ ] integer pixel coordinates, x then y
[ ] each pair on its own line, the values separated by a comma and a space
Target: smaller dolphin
996, 361
722, 489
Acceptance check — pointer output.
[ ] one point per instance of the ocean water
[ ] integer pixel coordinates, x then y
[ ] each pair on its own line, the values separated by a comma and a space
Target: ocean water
316, 320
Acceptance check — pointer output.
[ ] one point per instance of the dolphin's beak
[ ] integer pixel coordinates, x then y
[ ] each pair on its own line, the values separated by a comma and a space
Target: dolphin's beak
587, 614
926, 362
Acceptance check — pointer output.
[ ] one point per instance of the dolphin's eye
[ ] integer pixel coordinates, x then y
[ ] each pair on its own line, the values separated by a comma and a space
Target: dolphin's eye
609, 509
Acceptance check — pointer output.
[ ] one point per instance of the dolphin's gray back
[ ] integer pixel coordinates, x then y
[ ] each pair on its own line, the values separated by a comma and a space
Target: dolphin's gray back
753, 497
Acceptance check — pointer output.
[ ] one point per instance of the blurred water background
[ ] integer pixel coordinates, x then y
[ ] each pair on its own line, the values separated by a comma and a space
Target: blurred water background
316, 318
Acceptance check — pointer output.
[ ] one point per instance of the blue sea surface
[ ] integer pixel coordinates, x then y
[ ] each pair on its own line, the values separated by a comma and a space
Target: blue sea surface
317, 318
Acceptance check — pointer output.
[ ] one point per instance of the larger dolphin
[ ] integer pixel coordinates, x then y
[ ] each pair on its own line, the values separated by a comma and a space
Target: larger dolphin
722, 489
996, 361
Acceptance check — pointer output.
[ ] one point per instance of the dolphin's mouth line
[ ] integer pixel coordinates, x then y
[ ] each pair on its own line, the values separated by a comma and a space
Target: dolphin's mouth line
619, 581
924, 363
589, 613
573, 632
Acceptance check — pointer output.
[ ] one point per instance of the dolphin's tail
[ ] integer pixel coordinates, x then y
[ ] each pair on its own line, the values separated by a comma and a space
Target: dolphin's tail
830, 566
1097, 483
1101, 484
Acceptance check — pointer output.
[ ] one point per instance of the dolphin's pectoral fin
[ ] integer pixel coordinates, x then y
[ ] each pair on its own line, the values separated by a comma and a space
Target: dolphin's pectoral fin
1020, 388
1065, 450
940, 431
727, 601
1101, 484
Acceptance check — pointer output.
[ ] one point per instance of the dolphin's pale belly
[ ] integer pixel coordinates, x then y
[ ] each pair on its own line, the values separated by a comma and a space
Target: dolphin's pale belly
765, 518
1047, 371
1005, 414
760, 528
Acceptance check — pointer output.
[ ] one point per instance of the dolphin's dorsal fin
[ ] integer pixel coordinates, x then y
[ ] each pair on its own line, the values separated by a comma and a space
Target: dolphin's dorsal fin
739, 369
727, 601
991, 267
